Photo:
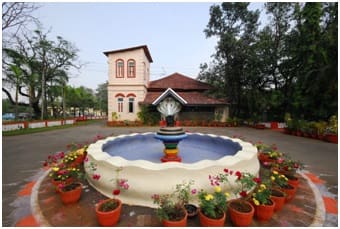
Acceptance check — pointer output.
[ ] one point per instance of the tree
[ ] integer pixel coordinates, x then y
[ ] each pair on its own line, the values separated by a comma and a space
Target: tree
235, 27
45, 61
101, 97
79, 99
290, 65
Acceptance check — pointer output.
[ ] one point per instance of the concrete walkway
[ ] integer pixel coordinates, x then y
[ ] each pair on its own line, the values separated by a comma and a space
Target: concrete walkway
23, 157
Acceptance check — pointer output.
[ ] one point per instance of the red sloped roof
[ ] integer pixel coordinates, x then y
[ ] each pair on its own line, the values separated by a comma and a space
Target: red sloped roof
178, 81
192, 98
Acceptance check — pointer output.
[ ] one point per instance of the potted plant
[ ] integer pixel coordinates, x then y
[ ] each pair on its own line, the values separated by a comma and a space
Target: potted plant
213, 207
264, 205
265, 152
331, 132
185, 192
60, 175
170, 211
108, 211
70, 192
278, 197
240, 210
281, 181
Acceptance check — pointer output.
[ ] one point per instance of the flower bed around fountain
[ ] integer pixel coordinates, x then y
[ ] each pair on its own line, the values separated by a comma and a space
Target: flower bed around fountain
147, 178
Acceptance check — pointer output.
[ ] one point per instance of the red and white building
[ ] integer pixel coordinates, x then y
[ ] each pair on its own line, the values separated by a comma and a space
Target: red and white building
129, 87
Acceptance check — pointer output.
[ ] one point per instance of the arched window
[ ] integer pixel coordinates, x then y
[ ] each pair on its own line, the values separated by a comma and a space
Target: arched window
120, 68
131, 104
131, 97
120, 102
131, 68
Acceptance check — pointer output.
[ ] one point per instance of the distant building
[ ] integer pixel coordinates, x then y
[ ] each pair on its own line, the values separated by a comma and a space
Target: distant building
129, 87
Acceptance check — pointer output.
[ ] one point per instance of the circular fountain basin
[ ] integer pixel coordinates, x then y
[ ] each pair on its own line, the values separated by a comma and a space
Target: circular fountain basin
139, 154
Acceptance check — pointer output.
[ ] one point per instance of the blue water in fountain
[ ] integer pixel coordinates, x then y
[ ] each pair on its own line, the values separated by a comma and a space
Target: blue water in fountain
192, 149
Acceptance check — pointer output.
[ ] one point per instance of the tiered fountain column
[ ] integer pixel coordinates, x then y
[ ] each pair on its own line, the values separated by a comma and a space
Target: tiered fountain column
170, 135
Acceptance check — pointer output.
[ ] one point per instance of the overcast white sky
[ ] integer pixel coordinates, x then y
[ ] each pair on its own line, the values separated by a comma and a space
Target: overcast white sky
173, 33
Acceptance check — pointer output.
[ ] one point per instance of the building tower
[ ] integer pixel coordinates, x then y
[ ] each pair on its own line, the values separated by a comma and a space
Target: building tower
129, 76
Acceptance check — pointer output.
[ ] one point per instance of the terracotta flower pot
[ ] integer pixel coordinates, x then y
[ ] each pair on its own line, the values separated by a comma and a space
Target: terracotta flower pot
264, 212
109, 218
293, 181
178, 223
290, 192
209, 222
57, 183
279, 198
241, 212
71, 196
333, 138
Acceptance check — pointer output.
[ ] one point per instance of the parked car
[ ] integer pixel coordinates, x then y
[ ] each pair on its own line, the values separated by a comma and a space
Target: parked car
24, 116
8, 116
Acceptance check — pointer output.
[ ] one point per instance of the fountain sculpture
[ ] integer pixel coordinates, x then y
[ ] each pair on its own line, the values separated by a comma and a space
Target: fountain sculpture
170, 135
139, 156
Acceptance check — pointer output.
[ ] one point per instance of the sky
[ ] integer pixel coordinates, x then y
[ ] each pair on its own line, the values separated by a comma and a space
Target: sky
172, 31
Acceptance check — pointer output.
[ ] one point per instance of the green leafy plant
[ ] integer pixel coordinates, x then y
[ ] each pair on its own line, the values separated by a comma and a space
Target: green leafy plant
170, 207
184, 192
332, 127
213, 205
261, 196
278, 179
245, 181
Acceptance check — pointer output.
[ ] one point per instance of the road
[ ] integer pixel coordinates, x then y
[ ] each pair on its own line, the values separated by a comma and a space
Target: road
23, 155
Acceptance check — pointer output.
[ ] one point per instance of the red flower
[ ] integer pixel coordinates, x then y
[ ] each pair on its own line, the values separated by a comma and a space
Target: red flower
226, 170
96, 177
243, 194
238, 174
116, 192
257, 180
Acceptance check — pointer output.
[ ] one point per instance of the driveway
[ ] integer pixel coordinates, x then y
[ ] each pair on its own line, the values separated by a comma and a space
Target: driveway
22, 156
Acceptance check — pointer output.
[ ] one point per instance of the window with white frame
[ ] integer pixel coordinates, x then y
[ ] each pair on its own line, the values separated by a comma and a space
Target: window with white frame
131, 68
120, 68
120, 102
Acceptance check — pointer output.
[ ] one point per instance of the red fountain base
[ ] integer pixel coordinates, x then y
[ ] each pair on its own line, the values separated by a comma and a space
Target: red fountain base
171, 159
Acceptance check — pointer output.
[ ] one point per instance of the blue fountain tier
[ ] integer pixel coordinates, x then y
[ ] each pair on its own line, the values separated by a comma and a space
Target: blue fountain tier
193, 147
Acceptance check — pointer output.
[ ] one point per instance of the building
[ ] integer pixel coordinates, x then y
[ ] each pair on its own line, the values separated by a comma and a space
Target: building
129, 87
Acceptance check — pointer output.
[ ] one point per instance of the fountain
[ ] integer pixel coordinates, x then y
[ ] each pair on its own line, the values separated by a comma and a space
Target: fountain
139, 155
170, 135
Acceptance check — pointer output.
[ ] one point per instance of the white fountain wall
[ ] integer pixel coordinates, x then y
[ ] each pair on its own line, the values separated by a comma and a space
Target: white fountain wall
146, 178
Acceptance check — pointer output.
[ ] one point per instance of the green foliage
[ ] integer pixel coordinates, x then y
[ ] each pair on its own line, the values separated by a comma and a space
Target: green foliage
213, 205
184, 191
261, 195
147, 116
289, 65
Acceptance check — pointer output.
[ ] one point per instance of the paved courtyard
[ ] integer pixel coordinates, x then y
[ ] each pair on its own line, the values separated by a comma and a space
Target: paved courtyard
22, 158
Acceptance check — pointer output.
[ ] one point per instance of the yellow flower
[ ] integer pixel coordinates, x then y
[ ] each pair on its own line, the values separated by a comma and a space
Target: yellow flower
263, 186
73, 169
218, 189
227, 194
272, 178
55, 169
209, 197
256, 202
275, 172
